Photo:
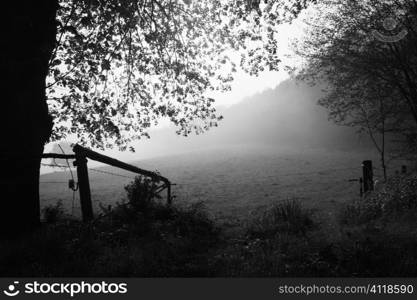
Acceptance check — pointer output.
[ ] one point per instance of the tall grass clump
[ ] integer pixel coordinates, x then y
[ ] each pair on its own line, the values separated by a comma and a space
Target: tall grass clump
278, 242
287, 216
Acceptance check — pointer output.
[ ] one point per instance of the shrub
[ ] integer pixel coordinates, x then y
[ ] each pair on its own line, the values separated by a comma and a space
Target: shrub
378, 233
397, 197
141, 193
53, 213
360, 211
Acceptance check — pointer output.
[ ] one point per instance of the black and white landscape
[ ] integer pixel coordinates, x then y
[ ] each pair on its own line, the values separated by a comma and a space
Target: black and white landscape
273, 139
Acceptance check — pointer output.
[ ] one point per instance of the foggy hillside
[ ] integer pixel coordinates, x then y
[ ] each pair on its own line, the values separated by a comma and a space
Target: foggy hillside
286, 116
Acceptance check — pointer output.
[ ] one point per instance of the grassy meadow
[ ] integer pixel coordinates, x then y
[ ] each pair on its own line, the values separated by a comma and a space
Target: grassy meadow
242, 214
232, 182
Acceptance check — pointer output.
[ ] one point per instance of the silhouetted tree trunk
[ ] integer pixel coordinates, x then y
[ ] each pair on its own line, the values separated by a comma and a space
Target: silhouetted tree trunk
28, 32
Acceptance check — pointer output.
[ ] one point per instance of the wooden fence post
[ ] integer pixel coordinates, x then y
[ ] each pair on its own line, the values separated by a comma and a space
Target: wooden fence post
169, 199
368, 177
84, 186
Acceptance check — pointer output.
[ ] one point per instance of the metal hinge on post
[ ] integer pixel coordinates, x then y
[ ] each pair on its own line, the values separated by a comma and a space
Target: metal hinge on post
72, 185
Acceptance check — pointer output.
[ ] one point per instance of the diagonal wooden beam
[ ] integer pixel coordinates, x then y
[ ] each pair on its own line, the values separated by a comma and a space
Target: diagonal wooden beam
82, 151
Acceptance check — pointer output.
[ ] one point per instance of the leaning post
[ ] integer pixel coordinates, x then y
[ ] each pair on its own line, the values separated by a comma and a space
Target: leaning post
84, 186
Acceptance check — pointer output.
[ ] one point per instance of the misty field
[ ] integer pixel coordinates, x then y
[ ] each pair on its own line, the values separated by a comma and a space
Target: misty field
266, 213
234, 182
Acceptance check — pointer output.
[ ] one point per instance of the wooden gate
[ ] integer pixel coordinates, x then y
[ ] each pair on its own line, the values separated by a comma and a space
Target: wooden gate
81, 154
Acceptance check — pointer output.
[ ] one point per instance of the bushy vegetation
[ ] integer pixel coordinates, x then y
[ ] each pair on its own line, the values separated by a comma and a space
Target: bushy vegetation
377, 236
398, 197
278, 242
379, 233
53, 213
139, 237
142, 236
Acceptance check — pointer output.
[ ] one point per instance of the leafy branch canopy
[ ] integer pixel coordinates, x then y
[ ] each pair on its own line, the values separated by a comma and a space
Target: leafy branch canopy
120, 66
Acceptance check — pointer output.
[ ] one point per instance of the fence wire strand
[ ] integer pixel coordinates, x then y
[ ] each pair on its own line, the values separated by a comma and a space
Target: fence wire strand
110, 173
55, 166
280, 175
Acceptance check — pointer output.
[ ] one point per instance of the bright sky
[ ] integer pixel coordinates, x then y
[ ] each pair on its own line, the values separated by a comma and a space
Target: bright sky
245, 85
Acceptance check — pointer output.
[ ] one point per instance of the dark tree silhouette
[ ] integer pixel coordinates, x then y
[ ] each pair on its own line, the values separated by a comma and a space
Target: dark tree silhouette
28, 38
370, 80
107, 70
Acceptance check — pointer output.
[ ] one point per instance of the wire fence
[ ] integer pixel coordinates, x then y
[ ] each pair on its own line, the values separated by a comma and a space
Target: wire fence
74, 187
110, 173
322, 172
223, 185
197, 190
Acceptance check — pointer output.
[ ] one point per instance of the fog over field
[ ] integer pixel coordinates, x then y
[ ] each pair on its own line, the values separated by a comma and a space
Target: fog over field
257, 155
285, 117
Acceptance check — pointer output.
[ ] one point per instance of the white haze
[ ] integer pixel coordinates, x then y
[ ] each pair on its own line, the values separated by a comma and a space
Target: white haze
266, 111
286, 117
